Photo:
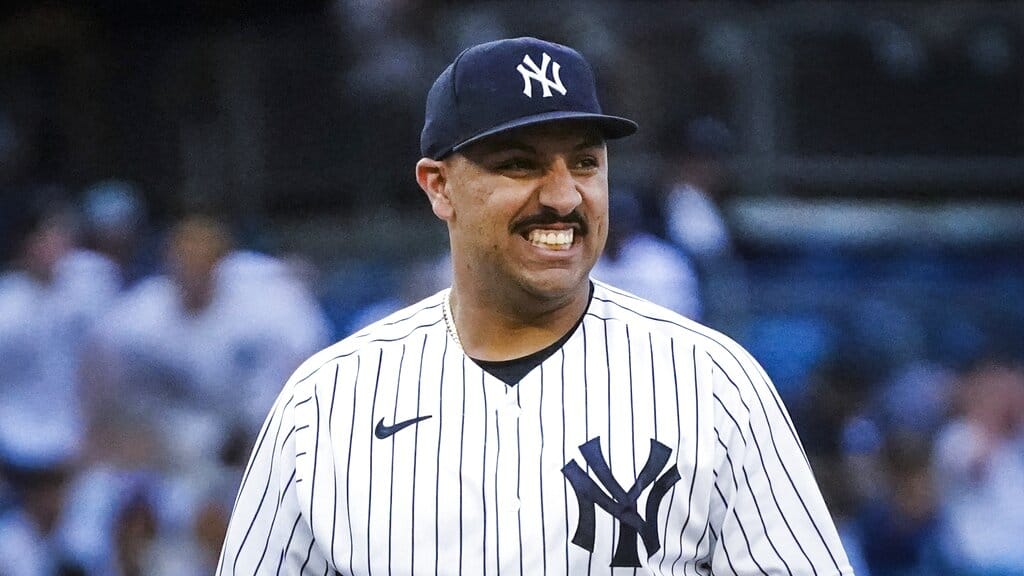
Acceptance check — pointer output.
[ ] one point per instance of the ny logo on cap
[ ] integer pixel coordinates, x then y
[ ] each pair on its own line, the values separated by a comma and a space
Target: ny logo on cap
531, 71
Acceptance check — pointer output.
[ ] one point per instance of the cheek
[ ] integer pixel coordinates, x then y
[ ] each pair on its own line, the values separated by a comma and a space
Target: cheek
597, 205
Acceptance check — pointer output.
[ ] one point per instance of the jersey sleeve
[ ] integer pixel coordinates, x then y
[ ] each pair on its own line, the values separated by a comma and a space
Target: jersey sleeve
767, 512
268, 533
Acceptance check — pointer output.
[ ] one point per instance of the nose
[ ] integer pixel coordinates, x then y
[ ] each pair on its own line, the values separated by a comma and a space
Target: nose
559, 191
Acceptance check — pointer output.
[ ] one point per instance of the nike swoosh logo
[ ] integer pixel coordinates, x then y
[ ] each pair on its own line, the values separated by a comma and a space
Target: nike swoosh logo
382, 431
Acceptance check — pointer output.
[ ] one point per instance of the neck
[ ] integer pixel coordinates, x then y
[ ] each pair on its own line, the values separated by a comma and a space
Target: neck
494, 328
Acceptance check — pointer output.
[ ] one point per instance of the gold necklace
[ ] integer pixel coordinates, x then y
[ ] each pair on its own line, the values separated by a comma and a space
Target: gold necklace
449, 319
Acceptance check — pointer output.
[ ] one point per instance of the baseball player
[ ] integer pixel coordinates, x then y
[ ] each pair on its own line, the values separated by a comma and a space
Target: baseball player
528, 420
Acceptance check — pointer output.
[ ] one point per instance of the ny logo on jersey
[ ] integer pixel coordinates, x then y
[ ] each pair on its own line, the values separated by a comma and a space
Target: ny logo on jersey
621, 504
531, 71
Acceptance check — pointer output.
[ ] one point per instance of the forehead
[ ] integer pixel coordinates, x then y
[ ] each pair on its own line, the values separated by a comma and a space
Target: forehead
541, 137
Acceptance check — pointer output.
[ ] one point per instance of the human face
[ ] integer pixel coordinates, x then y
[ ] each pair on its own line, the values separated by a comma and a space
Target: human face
528, 211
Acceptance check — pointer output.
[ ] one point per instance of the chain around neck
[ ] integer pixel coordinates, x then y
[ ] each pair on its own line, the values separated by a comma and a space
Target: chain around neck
449, 318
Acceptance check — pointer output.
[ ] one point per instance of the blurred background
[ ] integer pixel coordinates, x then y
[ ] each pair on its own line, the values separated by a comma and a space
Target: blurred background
196, 196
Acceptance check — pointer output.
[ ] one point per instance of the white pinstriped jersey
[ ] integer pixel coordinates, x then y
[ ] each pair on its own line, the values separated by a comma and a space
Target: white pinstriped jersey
646, 441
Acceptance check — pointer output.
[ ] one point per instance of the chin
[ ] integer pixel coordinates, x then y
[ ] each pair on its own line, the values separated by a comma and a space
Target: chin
556, 284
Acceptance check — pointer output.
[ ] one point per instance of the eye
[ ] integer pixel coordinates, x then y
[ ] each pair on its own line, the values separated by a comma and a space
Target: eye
587, 163
516, 164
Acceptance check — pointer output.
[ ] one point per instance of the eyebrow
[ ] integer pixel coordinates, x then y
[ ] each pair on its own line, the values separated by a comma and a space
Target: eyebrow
589, 141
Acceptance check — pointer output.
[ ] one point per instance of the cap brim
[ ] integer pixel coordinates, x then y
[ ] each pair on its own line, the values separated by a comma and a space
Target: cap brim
611, 126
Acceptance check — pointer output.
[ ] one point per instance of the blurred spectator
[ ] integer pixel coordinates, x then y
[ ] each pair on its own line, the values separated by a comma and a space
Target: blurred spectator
835, 423
693, 209
50, 296
115, 227
980, 463
202, 351
193, 548
899, 526
694, 219
136, 530
639, 262
32, 542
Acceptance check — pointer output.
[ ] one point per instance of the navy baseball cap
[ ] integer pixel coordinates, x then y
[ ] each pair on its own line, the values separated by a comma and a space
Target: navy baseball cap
497, 86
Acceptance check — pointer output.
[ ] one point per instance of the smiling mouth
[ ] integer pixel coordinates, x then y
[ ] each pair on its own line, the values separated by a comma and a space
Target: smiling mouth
551, 239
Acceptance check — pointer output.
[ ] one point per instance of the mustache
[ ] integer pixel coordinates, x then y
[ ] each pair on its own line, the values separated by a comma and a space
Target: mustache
549, 217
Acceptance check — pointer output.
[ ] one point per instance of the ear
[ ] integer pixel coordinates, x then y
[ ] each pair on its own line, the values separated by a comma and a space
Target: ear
432, 177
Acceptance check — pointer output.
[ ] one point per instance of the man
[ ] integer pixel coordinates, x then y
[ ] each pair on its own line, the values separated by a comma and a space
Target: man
528, 420
191, 356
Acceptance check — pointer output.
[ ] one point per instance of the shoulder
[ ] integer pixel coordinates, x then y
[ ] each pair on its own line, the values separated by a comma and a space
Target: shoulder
615, 305
392, 331
731, 369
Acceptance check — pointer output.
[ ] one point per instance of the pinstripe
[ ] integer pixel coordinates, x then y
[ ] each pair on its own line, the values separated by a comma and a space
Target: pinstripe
497, 498
775, 398
334, 483
540, 473
353, 351
679, 442
767, 533
287, 485
654, 383
565, 486
391, 485
437, 478
703, 535
415, 451
462, 446
369, 475
608, 389
728, 458
739, 429
696, 444
266, 545
316, 452
743, 531
722, 541
696, 449
309, 554
483, 481
771, 487
632, 406
266, 489
789, 477
289, 435
732, 469
348, 473
284, 549
586, 419
519, 479
252, 459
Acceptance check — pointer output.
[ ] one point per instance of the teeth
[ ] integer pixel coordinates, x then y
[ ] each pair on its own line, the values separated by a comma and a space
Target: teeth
553, 239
